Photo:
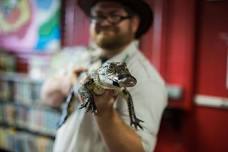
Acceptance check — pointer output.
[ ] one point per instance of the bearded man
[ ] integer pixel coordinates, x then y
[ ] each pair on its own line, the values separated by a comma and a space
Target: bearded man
115, 27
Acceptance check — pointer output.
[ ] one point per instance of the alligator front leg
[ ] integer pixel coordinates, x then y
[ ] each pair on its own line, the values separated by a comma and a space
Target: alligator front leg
87, 99
134, 121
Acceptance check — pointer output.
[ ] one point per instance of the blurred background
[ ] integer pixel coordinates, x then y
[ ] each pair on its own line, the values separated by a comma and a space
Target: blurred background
188, 44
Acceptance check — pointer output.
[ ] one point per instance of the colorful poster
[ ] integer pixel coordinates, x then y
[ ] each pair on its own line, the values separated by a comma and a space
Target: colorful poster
30, 25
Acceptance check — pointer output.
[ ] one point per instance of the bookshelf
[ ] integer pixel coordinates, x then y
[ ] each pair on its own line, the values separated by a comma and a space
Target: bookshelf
25, 124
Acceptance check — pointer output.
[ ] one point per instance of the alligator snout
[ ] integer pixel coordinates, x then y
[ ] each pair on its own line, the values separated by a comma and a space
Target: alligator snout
126, 80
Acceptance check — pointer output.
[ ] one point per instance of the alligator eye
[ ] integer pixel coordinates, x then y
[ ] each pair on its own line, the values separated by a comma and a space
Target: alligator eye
122, 70
111, 68
115, 84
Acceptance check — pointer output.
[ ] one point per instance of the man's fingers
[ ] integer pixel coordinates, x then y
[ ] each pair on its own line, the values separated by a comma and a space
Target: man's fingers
78, 71
109, 95
112, 93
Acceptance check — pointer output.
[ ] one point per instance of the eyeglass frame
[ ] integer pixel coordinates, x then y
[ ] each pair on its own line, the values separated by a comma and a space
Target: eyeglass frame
102, 18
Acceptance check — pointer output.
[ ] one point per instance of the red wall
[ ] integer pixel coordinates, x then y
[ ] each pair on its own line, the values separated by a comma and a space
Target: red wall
178, 47
212, 56
199, 129
212, 48
211, 129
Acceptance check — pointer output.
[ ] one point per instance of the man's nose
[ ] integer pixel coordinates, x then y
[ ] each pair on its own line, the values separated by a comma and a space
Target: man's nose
105, 22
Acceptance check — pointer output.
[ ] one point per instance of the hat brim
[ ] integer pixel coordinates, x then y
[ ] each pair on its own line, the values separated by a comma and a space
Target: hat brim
140, 7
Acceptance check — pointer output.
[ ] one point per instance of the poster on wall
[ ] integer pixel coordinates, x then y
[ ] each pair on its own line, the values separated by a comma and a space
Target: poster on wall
30, 25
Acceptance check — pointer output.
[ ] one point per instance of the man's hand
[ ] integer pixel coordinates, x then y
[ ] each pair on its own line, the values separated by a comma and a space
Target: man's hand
105, 102
56, 88
117, 135
75, 74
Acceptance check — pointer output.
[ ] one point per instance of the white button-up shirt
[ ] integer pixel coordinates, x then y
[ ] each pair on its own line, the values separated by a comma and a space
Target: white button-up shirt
80, 132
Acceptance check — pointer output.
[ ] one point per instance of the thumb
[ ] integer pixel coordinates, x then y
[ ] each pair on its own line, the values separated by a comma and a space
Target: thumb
78, 71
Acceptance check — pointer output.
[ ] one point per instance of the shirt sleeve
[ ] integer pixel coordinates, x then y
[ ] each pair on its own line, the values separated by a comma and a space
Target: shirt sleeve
150, 100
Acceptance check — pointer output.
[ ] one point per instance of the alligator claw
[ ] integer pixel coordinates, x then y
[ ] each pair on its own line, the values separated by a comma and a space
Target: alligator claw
136, 123
89, 106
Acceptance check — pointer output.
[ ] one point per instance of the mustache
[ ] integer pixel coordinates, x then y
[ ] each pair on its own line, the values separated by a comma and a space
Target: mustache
100, 29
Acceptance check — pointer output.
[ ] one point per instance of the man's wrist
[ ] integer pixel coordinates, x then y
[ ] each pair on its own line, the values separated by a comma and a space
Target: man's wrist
105, 114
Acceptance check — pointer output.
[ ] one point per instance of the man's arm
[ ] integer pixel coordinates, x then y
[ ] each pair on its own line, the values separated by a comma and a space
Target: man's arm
56, 88
117, 135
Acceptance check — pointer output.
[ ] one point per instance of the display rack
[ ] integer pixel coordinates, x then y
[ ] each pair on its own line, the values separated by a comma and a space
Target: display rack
25, 124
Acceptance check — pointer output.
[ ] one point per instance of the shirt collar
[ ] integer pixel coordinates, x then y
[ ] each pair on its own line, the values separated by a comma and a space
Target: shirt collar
124, 56
126, 53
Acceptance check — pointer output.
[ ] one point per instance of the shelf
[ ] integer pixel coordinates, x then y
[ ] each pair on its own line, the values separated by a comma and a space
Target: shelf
34, 119
20, 129
18, 77
23, 141
31, 106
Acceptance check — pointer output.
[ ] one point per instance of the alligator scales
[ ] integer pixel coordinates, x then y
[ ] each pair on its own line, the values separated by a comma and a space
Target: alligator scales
111, 75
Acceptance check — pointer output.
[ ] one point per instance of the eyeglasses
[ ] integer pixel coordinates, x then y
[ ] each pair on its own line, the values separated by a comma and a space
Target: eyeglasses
111, 19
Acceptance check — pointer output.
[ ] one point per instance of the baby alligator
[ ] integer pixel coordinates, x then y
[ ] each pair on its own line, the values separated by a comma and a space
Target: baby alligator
111, 75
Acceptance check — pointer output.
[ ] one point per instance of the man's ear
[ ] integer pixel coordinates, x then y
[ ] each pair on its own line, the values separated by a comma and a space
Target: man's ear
135, 23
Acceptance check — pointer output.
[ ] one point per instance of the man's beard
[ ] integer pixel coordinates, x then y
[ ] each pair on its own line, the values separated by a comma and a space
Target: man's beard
113, 42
